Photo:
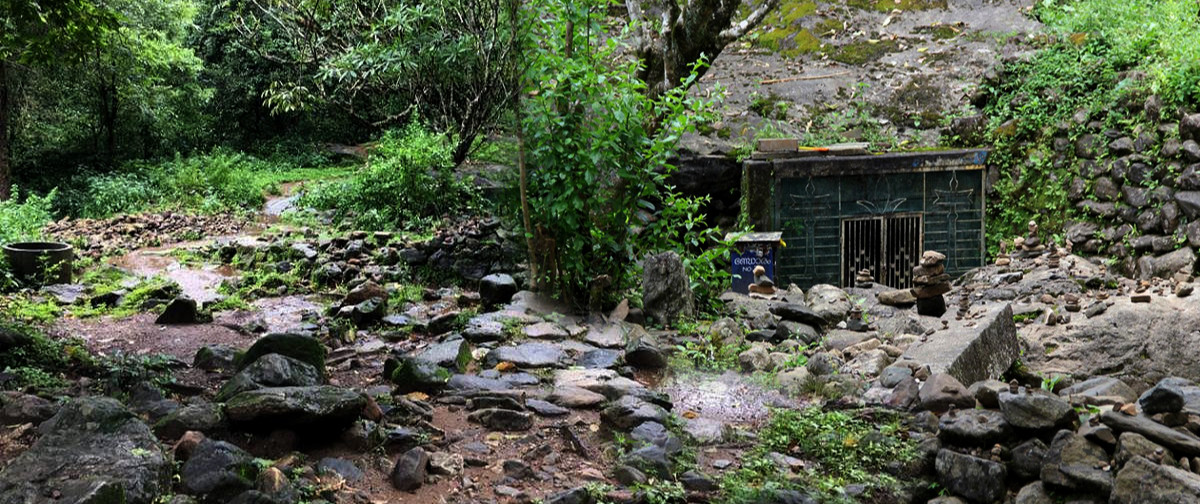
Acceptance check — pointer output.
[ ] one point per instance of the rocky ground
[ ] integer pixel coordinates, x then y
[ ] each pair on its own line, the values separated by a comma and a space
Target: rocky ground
338, 382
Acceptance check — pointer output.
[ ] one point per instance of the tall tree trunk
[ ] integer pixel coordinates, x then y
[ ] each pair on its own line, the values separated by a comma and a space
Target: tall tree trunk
5, 159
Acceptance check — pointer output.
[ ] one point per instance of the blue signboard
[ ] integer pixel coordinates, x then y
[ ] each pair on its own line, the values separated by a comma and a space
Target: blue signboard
745, 258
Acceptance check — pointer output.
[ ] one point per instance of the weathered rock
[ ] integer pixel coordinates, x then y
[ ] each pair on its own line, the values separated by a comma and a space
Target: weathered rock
792, 330
705, 431
756, 358
978, 480
942, 390
652, 459
654, 433
1100, 388
215, 357
1143, 482
644, 350
17, 408
829, 302
217, 471
527, 355
666, 289
1033, 493
974, 428
601, 381
546, 331
297, 346
796, 312
1027, 459
987, 392
1165, 397
629, 411
341, 467
497, 288
315, 407
502, 419
415, 374
271, 370
409, 472
203, 417
1039, 410
824, 363
92, 450
1181, 262
971, 354
1132, 444
1074, 464
575, 397
546, 408
608, 336
1180, 442
181, 310
453, 354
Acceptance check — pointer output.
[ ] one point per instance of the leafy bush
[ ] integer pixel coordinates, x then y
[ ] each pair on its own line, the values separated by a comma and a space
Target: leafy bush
846, 449
24, 220
409, 183
597, 149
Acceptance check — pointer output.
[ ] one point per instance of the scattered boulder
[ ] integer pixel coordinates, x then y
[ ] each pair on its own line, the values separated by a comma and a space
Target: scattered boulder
271, 370
17, 408
297, 346
315, 407
629, 411
1038, 410
217, 471
1144, 482
1075, 465
829, 302
181, 310
666, 289
409, 472
976, 479
1165, 397
496, 289
942, 390
92, 450
502, 419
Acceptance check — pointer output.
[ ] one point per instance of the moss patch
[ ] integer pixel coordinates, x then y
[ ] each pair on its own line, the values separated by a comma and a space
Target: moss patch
857, 53
904, 5
941, 31
828, 26
790, 44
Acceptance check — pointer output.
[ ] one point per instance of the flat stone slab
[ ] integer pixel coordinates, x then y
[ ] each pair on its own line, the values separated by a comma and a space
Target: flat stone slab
985, 349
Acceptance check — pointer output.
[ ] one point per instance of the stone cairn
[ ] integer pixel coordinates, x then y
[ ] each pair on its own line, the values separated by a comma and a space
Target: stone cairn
931, 281
1002, 259
1031, 245
864, 280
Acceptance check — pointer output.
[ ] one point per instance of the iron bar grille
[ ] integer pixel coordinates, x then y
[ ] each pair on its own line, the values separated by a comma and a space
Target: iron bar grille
888, 246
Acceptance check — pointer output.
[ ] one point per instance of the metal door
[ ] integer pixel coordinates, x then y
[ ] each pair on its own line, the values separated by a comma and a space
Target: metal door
887, 245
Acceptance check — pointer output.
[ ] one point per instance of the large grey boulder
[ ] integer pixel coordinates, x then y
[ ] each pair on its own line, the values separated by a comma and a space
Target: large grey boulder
1075, 465
971, 350
1144, 482
830, 302
975, 479
666, 289
527, 355
92, 451
217, 471
271, 370
1037, 410
315, 407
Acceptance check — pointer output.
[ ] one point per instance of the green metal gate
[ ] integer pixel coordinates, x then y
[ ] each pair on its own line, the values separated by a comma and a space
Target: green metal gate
893, 207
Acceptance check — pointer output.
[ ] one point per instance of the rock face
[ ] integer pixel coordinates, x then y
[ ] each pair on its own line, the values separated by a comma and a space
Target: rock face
93, 450
971, 354
978, 480
321, 406
666, 290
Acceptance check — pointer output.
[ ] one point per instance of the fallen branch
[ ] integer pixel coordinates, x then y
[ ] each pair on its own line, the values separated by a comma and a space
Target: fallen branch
803, 78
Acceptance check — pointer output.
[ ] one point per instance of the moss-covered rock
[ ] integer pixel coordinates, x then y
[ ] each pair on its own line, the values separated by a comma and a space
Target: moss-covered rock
297, 346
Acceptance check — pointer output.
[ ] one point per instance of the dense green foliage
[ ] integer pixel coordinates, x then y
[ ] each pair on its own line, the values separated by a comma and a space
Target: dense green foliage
844, 449
409, 181
1102, 60
597, 151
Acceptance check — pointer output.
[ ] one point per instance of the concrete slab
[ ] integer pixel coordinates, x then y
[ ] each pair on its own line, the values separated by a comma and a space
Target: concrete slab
981, 346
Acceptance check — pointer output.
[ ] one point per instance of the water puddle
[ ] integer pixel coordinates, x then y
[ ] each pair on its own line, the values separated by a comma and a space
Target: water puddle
729, 397
199, 284
284, 314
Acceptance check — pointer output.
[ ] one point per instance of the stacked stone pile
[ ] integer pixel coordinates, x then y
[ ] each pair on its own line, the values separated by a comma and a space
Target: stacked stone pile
931, 281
